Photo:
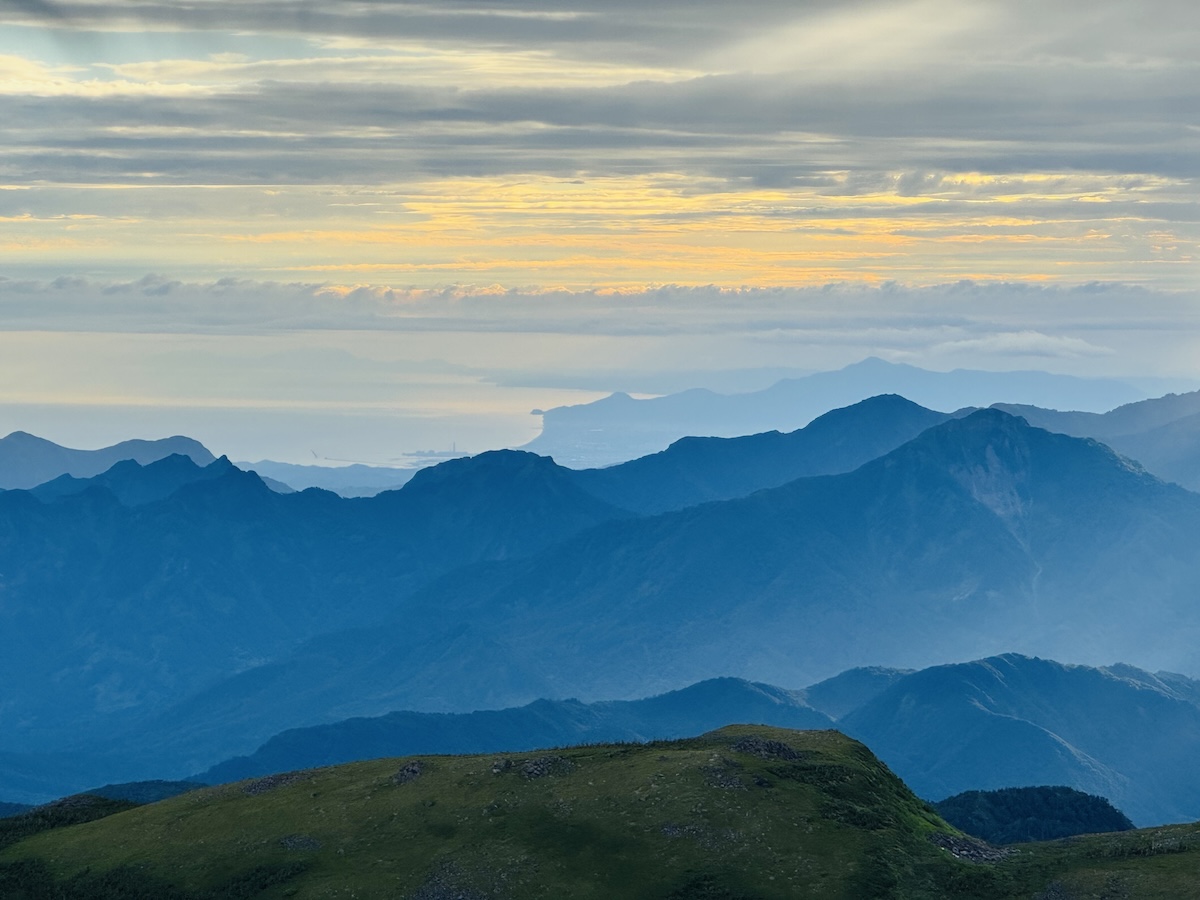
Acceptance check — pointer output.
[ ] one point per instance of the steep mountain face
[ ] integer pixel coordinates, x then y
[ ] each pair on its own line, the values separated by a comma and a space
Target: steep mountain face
1130, 418
542, 724
27, 461
1162, 434
1013, 721
1170, 451
980, 536
697, 470
619, 427
982, 532
111, 610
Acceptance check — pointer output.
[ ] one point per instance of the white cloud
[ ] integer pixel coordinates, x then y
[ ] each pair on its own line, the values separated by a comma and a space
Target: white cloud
1009, 344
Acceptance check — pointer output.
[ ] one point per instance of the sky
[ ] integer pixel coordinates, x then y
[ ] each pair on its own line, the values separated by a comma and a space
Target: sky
349, 229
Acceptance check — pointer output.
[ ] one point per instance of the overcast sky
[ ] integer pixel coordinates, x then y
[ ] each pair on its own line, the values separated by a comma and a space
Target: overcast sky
266, 212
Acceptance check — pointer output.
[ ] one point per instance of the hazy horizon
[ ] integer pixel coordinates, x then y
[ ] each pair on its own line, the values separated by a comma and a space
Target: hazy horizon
278, 225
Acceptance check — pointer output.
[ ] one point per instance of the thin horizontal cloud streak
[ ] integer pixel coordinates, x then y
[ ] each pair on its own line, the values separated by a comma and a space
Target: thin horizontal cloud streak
159, 304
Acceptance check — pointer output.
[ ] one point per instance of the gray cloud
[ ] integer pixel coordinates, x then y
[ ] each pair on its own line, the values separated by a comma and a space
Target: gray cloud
1095, 96
730, 126
159, 304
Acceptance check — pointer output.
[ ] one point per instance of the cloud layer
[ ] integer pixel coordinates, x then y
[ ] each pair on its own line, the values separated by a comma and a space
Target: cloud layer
565, 143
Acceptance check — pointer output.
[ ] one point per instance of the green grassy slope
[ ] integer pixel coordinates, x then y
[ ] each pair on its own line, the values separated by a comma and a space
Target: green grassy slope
750, 813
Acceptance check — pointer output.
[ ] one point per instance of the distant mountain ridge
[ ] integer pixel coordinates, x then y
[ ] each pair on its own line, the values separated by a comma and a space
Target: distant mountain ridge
1006, 722
199, 616
134, 484
223, 573
698, 470
27, 461
1162, 434
1012, 720
981, 535
545, 723
620, 428
354, 480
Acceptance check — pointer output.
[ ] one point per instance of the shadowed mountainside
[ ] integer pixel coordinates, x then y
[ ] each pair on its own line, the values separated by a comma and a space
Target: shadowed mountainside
980, 536
697, 470
1162, 434
1011, 721
111, 610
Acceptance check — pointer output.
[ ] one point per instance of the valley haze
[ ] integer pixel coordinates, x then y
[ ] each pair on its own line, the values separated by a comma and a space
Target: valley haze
394, 379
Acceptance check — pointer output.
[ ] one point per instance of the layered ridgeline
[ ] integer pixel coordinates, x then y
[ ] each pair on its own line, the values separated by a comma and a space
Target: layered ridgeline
538, 725
748, 813
118, 598
982, 535
699, 469
620, 427
218, 574
1162, 434
493, 581
1005, 722
1011, 721
27, 461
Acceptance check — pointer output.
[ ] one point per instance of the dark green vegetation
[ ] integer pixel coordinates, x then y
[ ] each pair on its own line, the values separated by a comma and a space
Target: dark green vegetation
145, 791
743, 813
74, 810
1015, 815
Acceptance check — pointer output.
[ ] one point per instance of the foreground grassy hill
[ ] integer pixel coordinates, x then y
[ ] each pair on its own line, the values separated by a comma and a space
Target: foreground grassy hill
743, 813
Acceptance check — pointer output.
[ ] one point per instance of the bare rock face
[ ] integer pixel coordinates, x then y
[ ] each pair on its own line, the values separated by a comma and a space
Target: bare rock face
410, 771
534, 767
273, 782
970, 849
766, 749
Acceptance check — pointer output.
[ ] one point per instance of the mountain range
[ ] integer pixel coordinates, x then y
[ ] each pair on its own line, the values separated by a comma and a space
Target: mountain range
1163, 434
27, 461
173, 614
111, 609
981, 535
1003, 722
620, 427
